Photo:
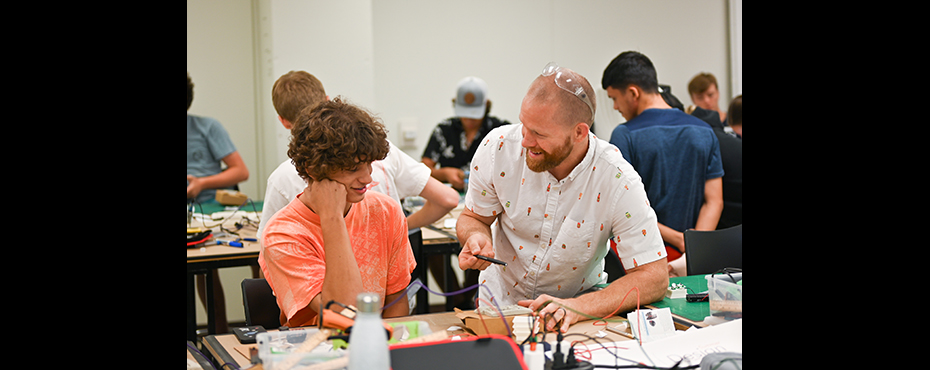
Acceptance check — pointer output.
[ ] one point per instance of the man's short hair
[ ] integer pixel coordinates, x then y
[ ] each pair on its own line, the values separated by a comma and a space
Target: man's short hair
701, 83
631, 68
334, 136
735, 111
190, 91
295, 91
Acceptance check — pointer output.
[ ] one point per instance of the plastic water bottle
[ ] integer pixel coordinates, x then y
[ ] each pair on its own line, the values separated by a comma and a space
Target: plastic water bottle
368, 348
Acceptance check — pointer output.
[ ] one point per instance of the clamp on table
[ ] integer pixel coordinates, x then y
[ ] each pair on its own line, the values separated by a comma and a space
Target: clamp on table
343, 320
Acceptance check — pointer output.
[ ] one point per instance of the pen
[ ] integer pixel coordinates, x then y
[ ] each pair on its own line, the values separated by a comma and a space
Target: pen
489, 259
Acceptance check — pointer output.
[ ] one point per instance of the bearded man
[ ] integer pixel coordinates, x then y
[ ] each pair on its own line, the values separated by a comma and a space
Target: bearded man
558, 194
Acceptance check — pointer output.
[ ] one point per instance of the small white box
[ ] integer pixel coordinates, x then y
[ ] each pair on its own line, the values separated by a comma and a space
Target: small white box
676, 291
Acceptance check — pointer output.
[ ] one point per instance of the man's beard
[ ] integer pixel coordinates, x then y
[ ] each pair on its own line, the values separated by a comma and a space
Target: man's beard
549, 160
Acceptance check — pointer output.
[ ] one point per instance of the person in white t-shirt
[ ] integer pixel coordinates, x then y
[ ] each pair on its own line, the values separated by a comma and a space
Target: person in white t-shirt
558, 193
398, 175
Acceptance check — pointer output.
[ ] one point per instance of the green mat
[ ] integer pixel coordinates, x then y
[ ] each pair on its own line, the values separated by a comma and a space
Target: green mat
213, 207
694, 311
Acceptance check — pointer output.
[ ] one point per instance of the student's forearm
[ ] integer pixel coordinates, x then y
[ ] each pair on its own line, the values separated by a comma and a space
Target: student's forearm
440, 199
712, 207
709, 217
400, 308
672, 237
235, 172
342, 281
224, 179
426, 215
433, 169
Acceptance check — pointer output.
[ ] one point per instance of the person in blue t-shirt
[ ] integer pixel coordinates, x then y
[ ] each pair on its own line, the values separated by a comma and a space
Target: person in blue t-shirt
208, 148
208, 145
677, 155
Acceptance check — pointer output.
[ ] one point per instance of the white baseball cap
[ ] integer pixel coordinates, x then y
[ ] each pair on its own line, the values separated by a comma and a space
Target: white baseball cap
471, 98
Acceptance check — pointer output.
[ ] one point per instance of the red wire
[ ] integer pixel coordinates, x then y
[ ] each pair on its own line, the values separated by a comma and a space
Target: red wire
585, 353
638, 323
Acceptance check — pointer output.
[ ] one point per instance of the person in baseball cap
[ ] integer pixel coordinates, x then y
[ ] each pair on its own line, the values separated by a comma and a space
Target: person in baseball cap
453, 142
448, 154
471, 98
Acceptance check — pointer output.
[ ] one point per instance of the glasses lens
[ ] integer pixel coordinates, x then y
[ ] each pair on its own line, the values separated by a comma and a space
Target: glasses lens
549, 69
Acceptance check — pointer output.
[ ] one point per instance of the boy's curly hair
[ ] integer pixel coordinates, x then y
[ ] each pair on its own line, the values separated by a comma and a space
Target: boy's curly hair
334, 136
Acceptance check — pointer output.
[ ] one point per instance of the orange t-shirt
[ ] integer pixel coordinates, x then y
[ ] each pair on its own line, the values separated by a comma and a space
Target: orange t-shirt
292, 254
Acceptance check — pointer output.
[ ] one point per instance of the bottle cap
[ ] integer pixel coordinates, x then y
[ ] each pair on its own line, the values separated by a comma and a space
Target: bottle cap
368, 302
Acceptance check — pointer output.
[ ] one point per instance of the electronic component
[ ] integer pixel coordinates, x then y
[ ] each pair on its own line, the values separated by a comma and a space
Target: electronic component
246, 334
697, 297
344, 319
194, 239
533, 356
510, 310
676, 291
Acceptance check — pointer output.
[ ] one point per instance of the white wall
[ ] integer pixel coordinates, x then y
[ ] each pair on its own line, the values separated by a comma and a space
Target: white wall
220, 61
330, 39
422, 48
419, 49
220, 52
401, 59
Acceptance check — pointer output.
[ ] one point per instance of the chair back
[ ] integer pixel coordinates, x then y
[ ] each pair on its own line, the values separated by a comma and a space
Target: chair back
261, 308
709, 251
612, 265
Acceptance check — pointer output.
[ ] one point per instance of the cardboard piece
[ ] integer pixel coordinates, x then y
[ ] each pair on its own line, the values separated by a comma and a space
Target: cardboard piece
480, 324
230, 197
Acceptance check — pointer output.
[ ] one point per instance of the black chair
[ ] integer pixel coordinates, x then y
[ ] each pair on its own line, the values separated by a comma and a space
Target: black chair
613, 266
261, 308
710, 251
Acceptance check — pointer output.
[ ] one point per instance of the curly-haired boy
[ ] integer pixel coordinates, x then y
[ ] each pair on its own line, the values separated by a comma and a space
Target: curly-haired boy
336, 239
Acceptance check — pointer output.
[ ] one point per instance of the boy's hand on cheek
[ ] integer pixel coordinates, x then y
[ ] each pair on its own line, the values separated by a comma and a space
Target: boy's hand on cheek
329, 196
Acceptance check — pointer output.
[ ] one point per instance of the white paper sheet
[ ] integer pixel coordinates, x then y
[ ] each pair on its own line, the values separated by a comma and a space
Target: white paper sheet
690, 346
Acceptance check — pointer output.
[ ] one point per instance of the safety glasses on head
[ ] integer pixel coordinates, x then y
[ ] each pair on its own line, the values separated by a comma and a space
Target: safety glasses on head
568, 81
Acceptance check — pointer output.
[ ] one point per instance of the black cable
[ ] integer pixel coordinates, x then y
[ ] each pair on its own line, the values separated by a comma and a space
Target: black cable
532, 335
223, 228
635, 365
616, 356
557, 361
728, 270
235, 366
645, 367
641, 366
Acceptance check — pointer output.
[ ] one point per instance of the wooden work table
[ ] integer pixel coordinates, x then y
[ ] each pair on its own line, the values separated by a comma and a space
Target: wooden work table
207, 257
225, 348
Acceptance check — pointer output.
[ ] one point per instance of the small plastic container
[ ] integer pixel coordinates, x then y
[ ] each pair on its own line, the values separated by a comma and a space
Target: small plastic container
725, 295
277, 346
